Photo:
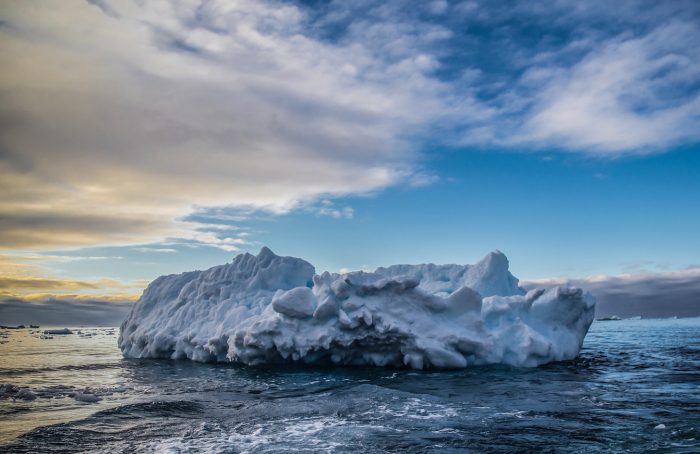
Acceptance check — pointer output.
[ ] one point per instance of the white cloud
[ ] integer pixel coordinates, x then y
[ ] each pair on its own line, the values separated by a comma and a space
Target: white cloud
154, 249
120, 119
129, 119
620, 97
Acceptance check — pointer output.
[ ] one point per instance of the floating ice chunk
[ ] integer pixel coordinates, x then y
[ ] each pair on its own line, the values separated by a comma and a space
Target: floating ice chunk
8, 390
86, 397
660, 427
270, 309
63, 331
25, 394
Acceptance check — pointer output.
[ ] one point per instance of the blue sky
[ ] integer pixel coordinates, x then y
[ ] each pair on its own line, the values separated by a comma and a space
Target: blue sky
554, 214
352, 134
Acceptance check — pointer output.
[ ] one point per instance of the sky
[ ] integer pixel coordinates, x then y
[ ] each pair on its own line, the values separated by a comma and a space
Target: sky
146, 138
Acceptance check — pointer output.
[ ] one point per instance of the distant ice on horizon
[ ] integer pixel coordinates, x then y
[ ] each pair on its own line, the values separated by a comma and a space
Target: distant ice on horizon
268, 309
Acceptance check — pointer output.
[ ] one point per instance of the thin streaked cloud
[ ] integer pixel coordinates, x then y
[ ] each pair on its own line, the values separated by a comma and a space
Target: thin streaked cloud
276, 106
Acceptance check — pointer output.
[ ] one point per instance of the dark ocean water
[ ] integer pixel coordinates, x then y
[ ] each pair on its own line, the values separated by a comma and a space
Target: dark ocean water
634, 388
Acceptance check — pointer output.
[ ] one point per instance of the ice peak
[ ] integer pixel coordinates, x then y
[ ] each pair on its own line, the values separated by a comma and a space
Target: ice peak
266, 256
493, 276
266, 252
494, 261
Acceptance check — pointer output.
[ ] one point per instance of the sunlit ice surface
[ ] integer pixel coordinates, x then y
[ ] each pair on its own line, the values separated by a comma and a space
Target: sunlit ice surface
634, 386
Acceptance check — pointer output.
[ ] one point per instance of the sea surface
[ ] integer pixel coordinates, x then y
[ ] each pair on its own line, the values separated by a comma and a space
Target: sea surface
634, 388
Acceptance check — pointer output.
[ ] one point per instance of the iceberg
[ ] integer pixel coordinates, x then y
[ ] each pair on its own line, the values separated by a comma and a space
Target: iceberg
268, 309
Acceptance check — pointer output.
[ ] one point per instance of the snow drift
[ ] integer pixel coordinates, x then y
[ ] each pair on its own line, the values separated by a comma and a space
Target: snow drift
270, 309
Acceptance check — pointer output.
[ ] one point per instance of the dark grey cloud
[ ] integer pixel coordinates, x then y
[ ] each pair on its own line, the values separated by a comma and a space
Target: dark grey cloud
58, 312
665, 294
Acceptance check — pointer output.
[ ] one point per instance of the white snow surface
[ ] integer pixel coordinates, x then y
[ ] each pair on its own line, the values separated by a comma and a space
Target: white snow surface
268, 309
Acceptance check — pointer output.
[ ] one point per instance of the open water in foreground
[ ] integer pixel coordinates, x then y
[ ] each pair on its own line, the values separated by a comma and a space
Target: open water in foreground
634, 388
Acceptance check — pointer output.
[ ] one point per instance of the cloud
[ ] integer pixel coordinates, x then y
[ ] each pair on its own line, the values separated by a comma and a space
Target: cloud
169, 106
33, 283
39, 288
26, 277
649, 294
63, 312
626, 96
118, 120
328, 208
154, 249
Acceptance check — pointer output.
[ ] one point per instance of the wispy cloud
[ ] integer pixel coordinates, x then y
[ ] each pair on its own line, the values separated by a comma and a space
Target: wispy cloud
154, 249
39, 288
328, 208
628, 95
52, 284
27, 277
169, 107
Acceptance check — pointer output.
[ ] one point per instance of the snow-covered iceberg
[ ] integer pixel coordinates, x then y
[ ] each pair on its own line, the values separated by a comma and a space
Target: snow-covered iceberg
270, 309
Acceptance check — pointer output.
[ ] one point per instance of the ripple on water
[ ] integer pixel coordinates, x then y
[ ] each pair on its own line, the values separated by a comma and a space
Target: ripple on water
631, 378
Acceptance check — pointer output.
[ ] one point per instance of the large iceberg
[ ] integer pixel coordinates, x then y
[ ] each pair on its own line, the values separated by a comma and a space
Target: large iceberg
269, 309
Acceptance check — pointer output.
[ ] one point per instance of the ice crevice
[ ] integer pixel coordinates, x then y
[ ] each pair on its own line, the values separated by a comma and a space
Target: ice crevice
269, 309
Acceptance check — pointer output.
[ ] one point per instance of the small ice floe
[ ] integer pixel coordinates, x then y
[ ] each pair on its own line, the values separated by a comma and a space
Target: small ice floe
86, 397
9, 390
25, 394
58, 331
660, 427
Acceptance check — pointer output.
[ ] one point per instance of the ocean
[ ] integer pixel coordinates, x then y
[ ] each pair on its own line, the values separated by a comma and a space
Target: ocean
635, 387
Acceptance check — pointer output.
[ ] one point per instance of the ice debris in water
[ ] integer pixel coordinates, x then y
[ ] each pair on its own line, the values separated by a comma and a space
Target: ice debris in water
64, 331
86, 397
269, 309
8, 390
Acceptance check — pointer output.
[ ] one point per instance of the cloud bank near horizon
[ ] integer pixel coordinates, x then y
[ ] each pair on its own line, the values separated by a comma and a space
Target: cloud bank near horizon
63, 312
646, 294
119, 119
